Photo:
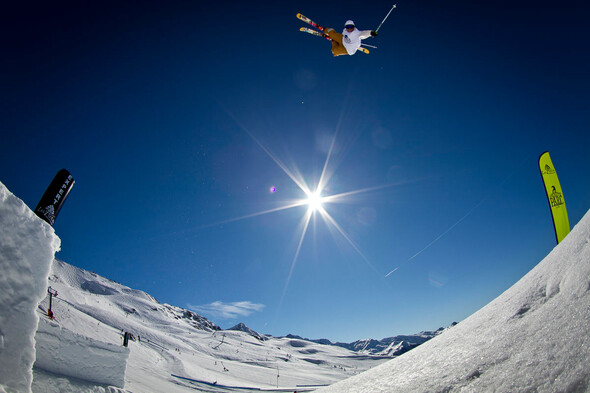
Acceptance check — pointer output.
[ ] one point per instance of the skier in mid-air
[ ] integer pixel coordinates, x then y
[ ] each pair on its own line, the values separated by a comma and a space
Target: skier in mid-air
349, 41
346, 43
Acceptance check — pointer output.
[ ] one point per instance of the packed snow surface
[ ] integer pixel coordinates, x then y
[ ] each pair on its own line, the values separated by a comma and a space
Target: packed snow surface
87, 359
27, 248
535, 337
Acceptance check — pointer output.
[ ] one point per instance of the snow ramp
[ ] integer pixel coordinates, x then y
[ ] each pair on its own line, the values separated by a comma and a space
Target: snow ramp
535, 337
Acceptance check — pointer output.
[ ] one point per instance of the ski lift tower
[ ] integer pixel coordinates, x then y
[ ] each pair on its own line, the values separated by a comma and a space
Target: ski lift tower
52, 292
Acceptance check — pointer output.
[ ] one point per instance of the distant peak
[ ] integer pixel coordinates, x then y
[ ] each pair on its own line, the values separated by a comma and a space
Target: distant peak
241, 327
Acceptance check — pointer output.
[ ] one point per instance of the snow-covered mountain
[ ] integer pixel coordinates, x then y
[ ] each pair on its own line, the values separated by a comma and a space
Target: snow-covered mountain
177, 347
241, 327
391, 346
141, 304
386, 347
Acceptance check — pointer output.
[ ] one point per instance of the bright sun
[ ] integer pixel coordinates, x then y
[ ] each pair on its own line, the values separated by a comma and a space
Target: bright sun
314, 201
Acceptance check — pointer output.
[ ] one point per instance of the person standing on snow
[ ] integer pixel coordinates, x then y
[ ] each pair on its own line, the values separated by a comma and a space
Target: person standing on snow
349, 41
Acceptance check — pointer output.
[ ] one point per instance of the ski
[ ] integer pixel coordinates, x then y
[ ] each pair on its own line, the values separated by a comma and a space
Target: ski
320, 34
311, 22
315, 32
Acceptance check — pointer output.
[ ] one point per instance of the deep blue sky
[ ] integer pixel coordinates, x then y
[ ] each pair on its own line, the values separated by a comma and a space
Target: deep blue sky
161, 111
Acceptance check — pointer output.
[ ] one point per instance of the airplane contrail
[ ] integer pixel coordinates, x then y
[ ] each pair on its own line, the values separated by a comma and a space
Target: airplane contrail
391, 271
441, 235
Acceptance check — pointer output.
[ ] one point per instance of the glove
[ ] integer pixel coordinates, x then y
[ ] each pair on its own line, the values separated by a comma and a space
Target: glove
374, 34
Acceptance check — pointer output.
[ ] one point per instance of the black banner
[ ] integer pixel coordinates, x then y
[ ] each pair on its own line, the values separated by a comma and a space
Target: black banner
56, 194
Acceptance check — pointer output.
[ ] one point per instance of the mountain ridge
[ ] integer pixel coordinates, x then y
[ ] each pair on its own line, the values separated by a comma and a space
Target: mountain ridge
95, 284
388, 346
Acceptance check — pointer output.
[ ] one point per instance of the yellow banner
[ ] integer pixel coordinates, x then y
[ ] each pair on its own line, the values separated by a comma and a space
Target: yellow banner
554, 197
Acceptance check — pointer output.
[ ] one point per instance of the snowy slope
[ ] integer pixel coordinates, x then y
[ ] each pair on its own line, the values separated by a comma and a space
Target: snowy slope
61, 352
535, 337
179, 351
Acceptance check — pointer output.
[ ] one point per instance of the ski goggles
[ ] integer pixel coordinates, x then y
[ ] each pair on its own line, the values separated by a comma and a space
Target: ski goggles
349, 26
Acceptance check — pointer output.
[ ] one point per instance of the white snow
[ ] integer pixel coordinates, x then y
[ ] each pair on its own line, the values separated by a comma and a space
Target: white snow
87, 359
27, 249
535, 337
173, 343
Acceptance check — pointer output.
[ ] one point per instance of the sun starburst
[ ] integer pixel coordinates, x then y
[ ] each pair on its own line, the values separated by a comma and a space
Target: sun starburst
314, 199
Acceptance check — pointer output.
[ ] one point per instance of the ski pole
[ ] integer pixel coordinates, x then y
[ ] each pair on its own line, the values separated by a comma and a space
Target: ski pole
386, 16
370, 46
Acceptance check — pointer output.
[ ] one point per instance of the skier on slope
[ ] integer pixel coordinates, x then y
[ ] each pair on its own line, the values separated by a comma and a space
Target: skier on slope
349, 41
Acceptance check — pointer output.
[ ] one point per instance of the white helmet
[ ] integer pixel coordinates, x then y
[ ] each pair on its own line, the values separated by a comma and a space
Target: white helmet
349, 23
